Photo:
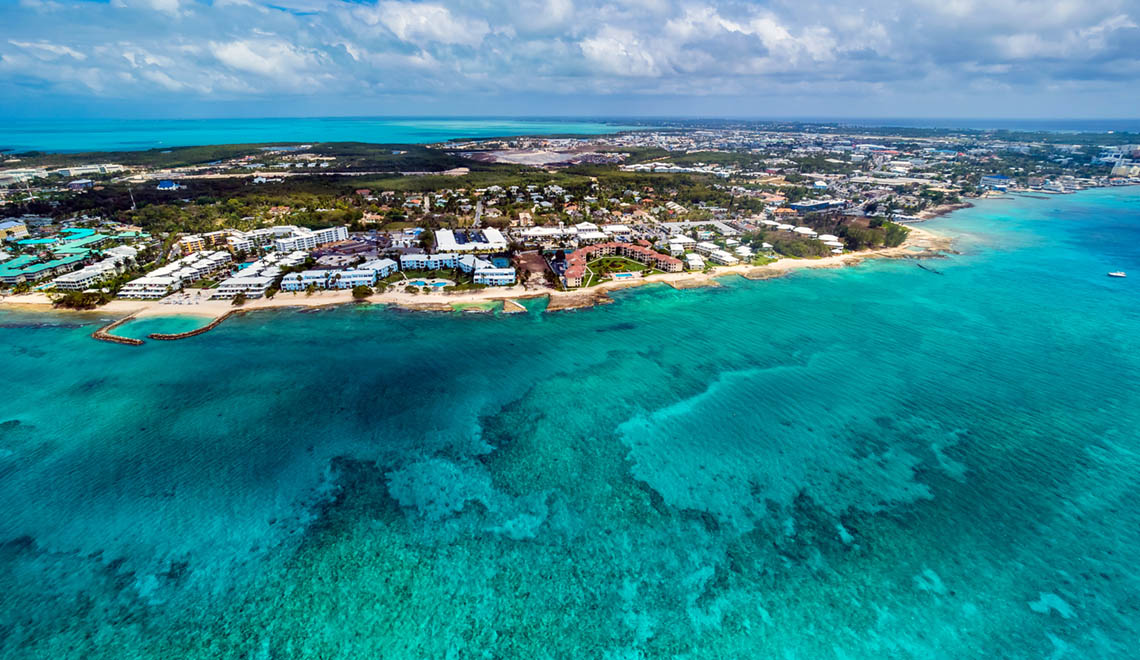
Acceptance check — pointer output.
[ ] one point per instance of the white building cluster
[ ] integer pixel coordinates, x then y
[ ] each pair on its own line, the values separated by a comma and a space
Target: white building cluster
257, 278
366, 274
115, 259
483, 271
161, 281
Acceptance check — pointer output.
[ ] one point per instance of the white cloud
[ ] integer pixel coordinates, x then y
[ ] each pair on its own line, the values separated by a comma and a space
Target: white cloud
422, 23
48, 51
621, 48
621, 53
165, 6
266, 58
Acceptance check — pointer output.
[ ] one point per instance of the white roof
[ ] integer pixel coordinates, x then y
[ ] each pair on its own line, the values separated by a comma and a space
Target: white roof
828, 237
804, 230
541, 232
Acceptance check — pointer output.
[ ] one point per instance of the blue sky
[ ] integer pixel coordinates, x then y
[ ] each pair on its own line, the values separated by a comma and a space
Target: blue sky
861, 58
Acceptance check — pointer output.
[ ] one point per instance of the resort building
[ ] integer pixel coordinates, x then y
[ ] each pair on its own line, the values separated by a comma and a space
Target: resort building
13, 229
382, 267
705, 248
996, 181
722, 257
428, 261
191, 244
257, 278
149, 287
575, 272
27, 268
694, 261
301, 238
470, 240
89, 276
328, 279
177, 274
239, 243
483, 271
495, 276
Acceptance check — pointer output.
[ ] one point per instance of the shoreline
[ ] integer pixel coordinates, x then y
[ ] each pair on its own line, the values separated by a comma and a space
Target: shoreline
920, 243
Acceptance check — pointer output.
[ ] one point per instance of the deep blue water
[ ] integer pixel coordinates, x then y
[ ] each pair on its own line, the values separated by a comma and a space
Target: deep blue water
873, 462
78, 135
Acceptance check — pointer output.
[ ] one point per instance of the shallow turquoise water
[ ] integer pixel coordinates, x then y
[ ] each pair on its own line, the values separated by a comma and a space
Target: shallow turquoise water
873, 462
74, 135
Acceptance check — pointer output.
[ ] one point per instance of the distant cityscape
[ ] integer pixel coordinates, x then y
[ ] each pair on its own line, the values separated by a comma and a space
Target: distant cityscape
552, 213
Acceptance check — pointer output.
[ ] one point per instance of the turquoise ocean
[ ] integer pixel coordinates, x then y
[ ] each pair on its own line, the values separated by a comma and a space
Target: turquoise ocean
80, 135
873, 462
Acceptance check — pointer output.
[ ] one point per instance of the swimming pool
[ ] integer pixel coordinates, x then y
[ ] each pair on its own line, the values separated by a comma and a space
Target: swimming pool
418, 283
622, 276
439, 283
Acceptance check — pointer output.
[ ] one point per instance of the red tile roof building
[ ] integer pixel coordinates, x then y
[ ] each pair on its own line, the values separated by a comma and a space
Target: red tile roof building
577, 260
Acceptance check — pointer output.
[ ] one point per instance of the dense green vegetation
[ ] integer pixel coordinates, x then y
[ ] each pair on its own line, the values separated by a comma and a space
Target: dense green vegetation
360, 292
80, 299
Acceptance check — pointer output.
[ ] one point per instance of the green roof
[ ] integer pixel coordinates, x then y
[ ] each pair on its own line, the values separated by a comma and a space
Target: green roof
22, 265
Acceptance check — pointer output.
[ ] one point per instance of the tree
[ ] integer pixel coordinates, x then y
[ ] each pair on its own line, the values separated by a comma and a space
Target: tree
80, 300
238, 300
360, 292
412, 289
427, 239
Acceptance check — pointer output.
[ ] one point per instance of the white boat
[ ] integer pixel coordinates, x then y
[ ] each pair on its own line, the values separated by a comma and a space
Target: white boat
1118, 273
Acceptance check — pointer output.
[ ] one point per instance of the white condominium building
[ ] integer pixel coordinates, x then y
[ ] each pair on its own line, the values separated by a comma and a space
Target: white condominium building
177, 274
301, 238
257, 278
328, 279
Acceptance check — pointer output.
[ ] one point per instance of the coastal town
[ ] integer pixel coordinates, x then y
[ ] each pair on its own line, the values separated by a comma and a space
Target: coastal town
507, 218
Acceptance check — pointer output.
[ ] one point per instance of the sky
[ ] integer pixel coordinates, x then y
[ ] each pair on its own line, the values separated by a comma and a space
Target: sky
700, 58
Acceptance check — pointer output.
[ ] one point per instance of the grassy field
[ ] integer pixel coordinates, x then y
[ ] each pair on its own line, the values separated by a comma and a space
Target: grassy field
601, 269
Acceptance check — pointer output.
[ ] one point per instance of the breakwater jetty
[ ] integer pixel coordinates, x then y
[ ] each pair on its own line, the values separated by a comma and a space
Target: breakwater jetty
206, 328
104, 333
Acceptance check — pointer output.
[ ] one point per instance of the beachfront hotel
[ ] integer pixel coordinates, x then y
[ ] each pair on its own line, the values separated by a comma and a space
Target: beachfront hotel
28, 268
715, 254
89, 276
482, 271
161, 281
576, 262
365, 274
328, 279
255, 280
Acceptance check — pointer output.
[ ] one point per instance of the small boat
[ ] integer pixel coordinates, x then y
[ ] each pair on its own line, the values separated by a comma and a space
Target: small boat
1118, 273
